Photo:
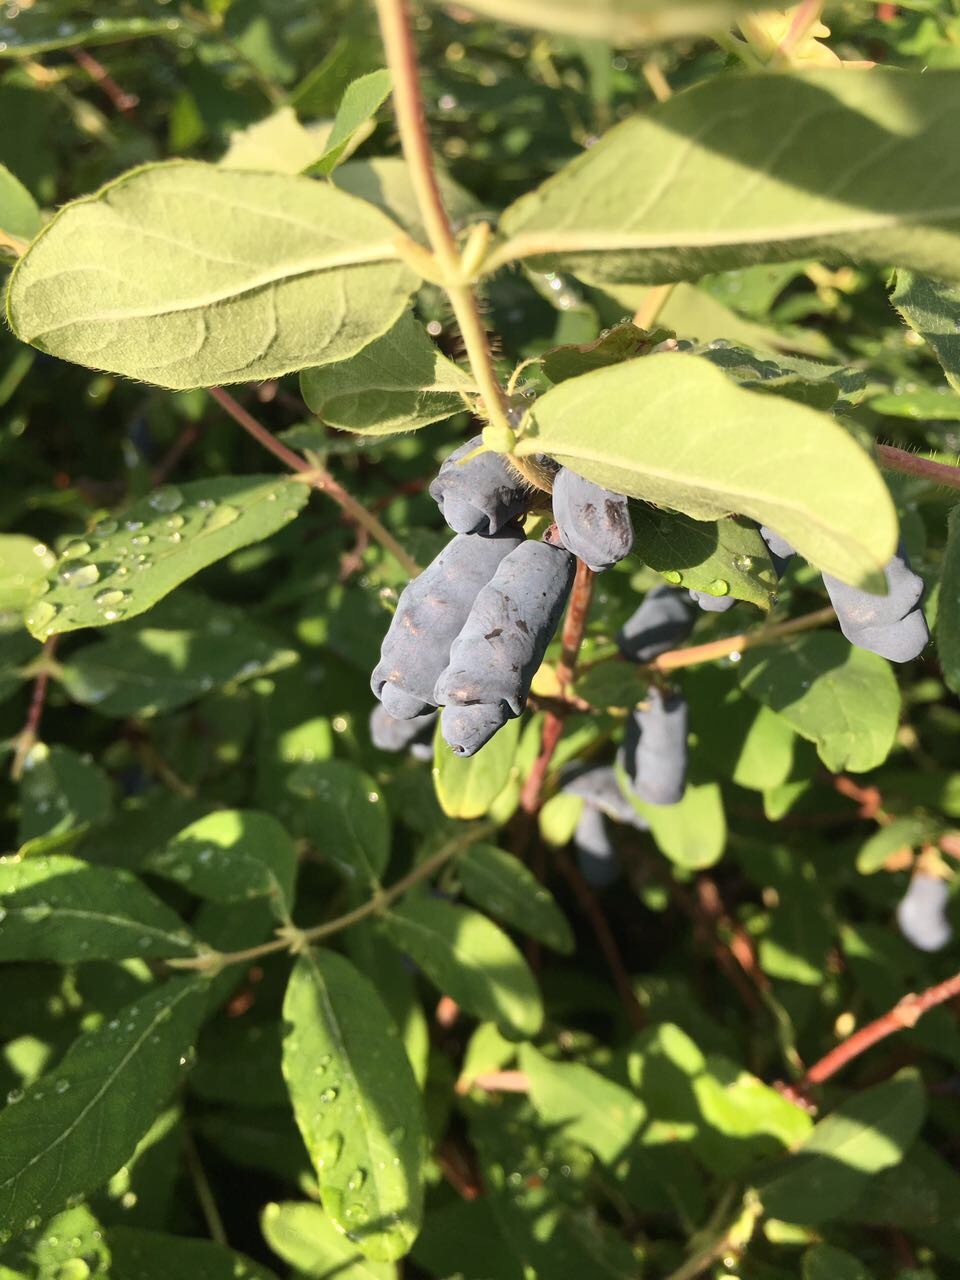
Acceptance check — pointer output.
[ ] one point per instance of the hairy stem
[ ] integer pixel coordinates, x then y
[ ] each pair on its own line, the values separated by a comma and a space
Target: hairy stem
911, 464
293, 939
408, 105
319, 478
27, 736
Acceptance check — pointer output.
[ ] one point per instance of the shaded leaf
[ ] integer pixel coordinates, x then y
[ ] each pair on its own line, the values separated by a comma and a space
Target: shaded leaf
722, 557
61, 909
693, 833
42, 31
498, 882
344, 815
159, 542
585, 1105
75, 1127
188, 275
230, 856
398, 383
61, 793
826, 1262
384, 181
674, 430
932, 309
154, 1255
830, 165
469, 959
843, 699
356, 1104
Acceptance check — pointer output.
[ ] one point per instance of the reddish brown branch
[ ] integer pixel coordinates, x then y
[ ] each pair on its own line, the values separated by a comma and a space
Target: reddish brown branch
706, 917
911, 464
904, 1014
125, 103
868, 798
27, 736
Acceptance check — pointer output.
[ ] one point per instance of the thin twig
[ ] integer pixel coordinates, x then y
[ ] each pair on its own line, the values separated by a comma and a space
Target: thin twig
319, 478
911, 464
204, 1191
124, 102
27, 736
737, 644
904, 1014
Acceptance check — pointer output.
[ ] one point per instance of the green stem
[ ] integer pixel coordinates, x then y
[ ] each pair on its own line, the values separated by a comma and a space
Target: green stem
292, 939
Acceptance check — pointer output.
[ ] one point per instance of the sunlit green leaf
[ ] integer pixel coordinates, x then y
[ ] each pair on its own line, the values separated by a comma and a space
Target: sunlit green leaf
467, 786
303, 1235
361, 100
499, 883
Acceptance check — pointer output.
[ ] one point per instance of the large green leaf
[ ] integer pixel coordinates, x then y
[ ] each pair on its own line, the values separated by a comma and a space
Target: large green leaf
230, 856
932, 309
692, 833
187, 275
617, 21
825, 1262
19, 215
61, 909
61, 793
356, 1103
384, 181
498, 882
832, 1168
843, 699
583, 1104
398, 383
467, 786
948, 608
360, 102
674, 430
343, 813
154, 1255
127, 564
723, 557
303, 1235
470, 959
43, 31
747, 168
73, 1129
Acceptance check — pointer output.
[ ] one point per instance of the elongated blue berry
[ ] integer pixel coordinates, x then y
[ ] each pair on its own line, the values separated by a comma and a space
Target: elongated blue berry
664, 620
892, 625
655, 748
921, 913
482, 495
596, 857
600, 790
387, 733
431, 611
593, 523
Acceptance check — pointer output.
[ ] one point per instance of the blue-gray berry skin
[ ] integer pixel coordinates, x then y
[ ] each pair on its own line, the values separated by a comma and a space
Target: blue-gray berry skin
600, 790
655, 748
467, 729
712, 604
595, 854
781, 552
921, 913
892, 625
388, 733
664, 620
431, 611
506, 634
482, 495
594, 523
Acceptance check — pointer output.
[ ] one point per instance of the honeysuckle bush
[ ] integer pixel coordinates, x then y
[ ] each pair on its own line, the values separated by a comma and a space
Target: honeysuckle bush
276, 1001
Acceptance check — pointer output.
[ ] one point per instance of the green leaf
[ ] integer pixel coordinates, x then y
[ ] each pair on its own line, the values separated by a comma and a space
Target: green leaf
400, 382
617, 21
833, 1166
948, 608
932, 309
499, 883
24, 562
467, 786
385, 182
159, 542
830, 165
801, 930
189, 275
809, 382
230, 856
361, 101
843, 699
345, 816
744, 741
470, 959
693, 833
61, 793
826, 1262
71, 1245
303, 1236
356, 1103
74, 1128
623, 342
278, 144
937, 404
902, 833
674, 430
722, 557
19, 215
61, 909
583, 1104
40, 31
154, 1255
612, 684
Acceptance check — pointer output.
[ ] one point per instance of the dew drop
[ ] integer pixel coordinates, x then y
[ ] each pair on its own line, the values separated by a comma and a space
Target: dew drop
36, 912
61, 1086
167, 498
140, 539
104, 528
112, 595
175, 522
329, 1094
75, 550
329, 1150
134, 526
114, 615
356, 1180
79, 575
220, 517
14, 1096
397, 1135
674, 576
40, 615
719, 587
